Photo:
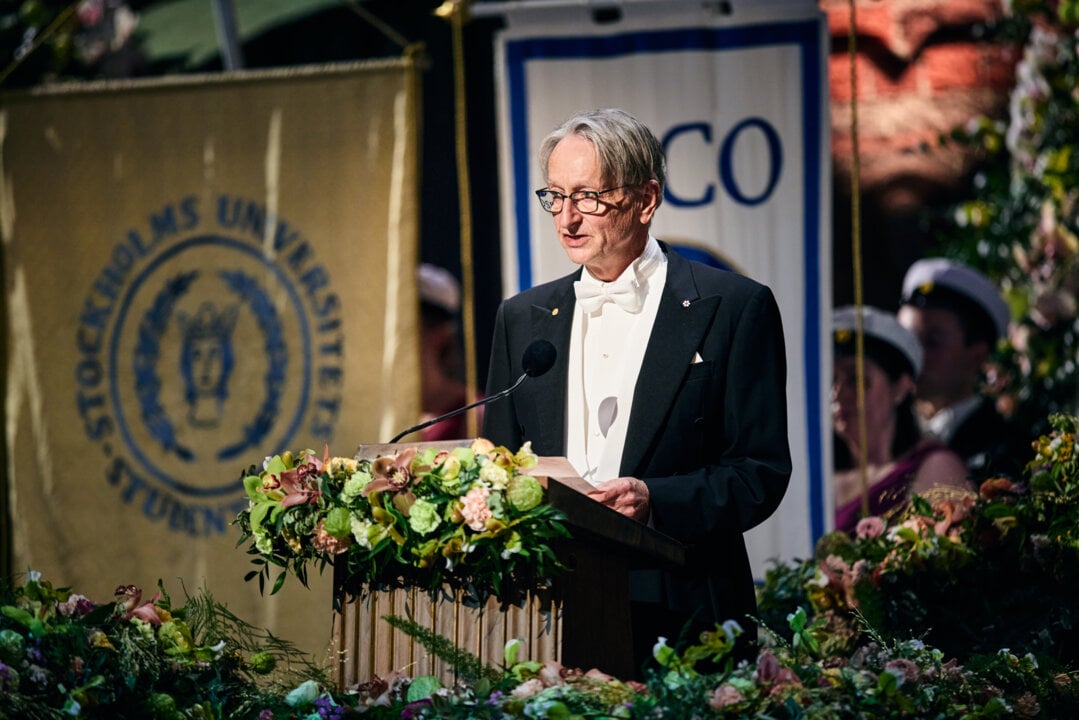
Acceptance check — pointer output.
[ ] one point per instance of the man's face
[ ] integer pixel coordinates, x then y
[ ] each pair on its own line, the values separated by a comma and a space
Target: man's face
608, 240
951, 366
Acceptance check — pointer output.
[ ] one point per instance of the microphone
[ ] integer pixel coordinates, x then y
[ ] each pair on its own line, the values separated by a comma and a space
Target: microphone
538, 358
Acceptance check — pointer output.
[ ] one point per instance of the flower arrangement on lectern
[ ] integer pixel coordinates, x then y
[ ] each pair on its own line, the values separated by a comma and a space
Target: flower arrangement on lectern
469, 519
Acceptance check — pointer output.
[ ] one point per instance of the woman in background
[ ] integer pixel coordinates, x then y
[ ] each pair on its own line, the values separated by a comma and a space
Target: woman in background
900, 461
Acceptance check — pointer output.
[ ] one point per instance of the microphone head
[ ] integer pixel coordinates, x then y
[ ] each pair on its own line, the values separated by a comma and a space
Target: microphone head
539, 357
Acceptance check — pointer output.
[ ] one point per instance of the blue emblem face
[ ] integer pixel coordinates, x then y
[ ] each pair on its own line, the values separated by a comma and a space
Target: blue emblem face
206, 361
207, 344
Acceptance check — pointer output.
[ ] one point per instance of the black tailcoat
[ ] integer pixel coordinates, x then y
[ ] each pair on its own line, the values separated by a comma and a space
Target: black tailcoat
709, 438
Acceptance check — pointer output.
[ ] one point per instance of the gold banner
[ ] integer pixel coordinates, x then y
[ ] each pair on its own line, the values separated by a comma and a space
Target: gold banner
199, 274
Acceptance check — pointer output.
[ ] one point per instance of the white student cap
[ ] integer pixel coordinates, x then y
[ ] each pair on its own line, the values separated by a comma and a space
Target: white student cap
883, 335
926, 277
439, 288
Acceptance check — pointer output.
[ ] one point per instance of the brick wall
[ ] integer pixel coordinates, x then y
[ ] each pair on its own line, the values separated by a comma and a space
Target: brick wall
924, 67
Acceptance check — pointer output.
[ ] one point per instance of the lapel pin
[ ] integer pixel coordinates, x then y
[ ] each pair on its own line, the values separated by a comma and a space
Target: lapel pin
555, 311
685, 303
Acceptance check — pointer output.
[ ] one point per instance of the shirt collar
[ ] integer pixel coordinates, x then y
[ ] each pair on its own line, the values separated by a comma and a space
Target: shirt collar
639, 270
943, 424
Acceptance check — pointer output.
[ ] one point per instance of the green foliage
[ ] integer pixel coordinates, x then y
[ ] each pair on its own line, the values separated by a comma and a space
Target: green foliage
783, 592
63, 655
987, 580
466, 665
1021, 222
962, 607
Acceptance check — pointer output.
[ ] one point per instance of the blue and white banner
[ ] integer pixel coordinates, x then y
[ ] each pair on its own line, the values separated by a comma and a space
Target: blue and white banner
739, 100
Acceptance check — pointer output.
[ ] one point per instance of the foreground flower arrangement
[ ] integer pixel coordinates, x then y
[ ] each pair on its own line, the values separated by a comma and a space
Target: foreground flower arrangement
65, 655
471, 519
852, 633
969, 575
787, 680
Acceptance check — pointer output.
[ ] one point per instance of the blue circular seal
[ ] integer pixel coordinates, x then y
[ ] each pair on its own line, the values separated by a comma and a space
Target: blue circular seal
198, 310
201, 349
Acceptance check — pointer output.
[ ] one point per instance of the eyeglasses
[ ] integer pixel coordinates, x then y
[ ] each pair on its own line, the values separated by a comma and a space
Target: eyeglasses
587, 201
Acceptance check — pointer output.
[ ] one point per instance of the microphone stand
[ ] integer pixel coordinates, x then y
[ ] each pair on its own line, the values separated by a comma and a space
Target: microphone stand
458, 411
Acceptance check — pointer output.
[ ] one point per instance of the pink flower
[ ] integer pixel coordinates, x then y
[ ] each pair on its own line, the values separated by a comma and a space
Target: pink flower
1026, 705
835, 569
598, 675
528, 688
300, 484
552, 673
767, 667
785, 679
906, 670
954, 512
725, 695
128, 597
327, 543
771, 672
475, 510
90, 12
75, 606
860, 571
869, 528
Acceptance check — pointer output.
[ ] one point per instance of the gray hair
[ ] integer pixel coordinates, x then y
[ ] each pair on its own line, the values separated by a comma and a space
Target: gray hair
629, 153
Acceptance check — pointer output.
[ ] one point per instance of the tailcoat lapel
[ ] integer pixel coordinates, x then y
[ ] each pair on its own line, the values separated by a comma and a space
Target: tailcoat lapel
552, 319
683, 319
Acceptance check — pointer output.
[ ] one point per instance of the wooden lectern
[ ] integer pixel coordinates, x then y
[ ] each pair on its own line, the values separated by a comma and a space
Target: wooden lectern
583, 622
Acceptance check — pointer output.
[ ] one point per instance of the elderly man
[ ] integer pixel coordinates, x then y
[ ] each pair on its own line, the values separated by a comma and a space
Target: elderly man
669, 389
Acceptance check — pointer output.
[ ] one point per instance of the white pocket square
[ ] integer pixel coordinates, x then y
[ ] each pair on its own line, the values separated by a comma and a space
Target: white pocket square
697, 358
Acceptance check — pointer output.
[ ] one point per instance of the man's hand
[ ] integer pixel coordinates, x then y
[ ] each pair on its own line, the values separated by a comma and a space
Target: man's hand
627, 495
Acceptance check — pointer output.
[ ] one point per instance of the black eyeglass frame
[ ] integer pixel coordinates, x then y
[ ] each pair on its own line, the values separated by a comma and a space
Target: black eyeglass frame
575, 197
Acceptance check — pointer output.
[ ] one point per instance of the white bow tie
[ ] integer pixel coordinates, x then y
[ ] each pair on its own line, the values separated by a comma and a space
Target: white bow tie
623, 292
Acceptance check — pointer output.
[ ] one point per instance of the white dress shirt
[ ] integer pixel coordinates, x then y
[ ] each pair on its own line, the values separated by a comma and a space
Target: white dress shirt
606, 350
943, 424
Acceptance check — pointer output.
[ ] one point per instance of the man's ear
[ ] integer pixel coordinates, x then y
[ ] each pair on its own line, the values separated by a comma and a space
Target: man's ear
651, 197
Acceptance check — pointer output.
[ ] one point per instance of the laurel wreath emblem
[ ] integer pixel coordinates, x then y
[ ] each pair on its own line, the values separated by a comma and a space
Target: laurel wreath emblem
147, 353
247, 288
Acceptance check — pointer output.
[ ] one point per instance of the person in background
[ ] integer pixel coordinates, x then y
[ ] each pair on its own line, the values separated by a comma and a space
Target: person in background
959, 316
441, 363
900, 460
668, 392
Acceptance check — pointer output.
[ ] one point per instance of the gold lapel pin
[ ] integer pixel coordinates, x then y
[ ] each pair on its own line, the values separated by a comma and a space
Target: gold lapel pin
555, 311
